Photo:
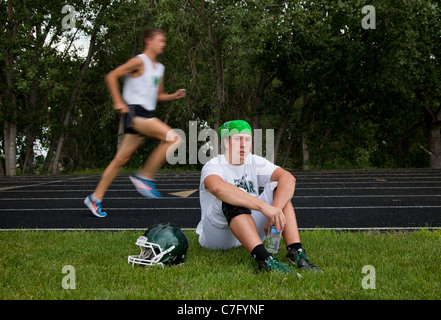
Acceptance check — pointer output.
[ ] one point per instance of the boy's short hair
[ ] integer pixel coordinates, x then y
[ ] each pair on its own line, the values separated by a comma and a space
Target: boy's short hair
150, 33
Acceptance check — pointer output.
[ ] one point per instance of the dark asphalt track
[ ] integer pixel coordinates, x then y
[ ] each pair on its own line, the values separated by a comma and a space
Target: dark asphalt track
349, 200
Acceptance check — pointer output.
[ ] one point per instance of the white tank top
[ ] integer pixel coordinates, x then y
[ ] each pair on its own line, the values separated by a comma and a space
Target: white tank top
143, 90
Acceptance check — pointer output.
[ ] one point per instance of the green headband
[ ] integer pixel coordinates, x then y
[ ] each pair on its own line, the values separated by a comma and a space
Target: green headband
234, 127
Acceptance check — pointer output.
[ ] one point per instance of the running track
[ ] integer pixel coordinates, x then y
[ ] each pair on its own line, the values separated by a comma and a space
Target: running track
344, 200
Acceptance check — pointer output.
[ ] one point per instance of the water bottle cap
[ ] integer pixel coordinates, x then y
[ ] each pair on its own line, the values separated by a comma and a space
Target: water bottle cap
274, 230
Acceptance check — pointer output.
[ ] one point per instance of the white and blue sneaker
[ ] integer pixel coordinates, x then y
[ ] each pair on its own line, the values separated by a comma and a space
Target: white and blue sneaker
145, 187
95, 207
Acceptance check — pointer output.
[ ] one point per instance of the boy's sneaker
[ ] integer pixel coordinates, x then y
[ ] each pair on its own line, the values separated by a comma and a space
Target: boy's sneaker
95, 207
301, 261
272, 264
145, 187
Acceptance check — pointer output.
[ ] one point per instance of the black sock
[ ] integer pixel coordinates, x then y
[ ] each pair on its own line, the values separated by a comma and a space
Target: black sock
296, 246
259, 253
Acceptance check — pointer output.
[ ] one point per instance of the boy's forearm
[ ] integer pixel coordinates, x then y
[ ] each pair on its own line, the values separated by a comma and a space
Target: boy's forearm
162, 97
285, 191
113, 87
231, 194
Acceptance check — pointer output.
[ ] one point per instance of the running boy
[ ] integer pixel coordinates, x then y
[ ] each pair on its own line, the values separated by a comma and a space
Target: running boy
143, 87
233, 212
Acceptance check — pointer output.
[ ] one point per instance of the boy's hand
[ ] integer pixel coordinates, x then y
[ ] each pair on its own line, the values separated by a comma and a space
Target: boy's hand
121, 107
181, 93
275, 217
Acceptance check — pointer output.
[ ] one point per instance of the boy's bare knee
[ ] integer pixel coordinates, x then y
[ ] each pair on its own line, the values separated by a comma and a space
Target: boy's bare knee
173, 138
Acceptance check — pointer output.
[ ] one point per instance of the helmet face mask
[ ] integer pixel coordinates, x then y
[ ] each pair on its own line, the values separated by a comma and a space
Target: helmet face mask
151, 253
161, 245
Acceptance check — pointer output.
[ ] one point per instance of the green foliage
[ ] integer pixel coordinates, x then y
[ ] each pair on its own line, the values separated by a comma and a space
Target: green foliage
360, 97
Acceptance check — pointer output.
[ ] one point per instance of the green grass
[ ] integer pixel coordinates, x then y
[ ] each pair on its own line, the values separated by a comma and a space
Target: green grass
407, 266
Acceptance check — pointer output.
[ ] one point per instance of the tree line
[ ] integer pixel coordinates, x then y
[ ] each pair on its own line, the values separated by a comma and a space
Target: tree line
344, 84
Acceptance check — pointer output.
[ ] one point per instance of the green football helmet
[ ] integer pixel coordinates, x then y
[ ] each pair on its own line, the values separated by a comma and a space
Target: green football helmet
162, 244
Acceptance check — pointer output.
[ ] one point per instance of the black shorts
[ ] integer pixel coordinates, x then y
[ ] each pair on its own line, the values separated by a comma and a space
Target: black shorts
231, 211
135, 110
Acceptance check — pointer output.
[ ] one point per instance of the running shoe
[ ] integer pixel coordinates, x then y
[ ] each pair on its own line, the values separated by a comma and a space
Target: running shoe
95, 207
272, 264
301, 261
145, 187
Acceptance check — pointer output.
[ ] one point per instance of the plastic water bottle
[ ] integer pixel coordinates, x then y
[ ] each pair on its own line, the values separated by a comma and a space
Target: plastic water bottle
272, 240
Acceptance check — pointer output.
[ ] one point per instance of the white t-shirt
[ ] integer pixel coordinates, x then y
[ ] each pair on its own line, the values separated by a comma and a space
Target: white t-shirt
143, 90
254, 173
